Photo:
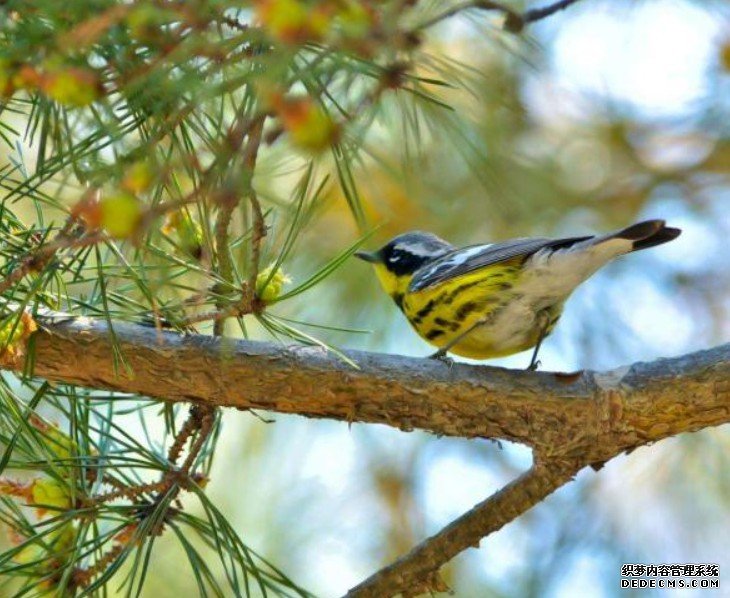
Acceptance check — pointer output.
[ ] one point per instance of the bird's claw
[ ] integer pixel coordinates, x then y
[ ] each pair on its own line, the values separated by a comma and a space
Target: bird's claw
441, 355
534, 365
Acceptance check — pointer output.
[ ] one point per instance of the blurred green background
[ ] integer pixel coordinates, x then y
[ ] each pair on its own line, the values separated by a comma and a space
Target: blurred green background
605, 114
602, 115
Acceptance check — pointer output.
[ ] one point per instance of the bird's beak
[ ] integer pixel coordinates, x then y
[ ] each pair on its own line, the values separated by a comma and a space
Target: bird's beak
373, 258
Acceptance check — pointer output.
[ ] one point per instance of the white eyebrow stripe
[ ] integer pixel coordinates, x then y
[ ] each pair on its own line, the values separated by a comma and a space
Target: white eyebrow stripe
417, 249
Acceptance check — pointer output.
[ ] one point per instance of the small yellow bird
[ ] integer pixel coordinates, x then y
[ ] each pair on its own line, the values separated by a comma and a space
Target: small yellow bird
493, 300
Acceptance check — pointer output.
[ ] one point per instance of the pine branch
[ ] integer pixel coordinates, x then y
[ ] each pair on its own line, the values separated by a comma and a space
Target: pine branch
570, 420
162, 101
38, 258
514, 20
251, 129
537, 14
259, 224
587, 415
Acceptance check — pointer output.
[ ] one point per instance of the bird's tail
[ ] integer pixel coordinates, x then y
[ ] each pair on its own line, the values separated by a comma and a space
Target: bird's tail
646, 234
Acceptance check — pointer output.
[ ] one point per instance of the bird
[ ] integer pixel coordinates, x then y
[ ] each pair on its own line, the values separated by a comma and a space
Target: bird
496, 299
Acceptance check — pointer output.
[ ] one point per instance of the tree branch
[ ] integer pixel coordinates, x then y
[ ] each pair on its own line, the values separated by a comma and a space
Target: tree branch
245, 128
514, 20
570, 420
588, 414
536, 14
417, 571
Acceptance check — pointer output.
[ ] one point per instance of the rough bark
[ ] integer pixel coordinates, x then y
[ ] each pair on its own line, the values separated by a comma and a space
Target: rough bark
570, 420
587, 415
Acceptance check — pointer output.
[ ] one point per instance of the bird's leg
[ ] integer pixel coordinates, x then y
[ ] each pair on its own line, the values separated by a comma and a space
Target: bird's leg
534, 362
545, 318
441, 353
441, 356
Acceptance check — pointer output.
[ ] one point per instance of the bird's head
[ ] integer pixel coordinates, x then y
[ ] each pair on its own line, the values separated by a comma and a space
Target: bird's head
397, 260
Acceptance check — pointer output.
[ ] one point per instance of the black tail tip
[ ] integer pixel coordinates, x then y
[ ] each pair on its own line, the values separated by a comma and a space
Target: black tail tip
663, 235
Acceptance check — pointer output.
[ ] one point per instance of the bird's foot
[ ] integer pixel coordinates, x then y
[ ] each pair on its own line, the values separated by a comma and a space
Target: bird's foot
533, 366
442, 356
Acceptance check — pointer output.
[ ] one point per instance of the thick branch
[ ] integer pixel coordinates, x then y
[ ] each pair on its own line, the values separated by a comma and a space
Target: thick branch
570, 420
587, 415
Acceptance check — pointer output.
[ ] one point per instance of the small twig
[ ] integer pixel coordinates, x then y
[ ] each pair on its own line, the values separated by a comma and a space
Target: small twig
251, 129
181, 438
417, 572
259, 225
92, 475
225, 265
38, 258
204, 418
200, 420
131, 492
514, 20
536, 14
82, 577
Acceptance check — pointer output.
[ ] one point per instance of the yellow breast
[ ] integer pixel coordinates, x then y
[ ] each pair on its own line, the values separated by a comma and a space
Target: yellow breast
441, 313
487, 303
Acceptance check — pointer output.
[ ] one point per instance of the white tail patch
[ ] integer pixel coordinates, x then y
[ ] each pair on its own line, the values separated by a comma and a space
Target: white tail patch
553, 274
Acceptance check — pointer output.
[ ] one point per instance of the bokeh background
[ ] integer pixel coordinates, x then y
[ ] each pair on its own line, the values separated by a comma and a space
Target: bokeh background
605, 114
602, 115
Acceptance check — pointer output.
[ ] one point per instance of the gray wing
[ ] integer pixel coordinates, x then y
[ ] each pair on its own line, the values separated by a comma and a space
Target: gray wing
462, 261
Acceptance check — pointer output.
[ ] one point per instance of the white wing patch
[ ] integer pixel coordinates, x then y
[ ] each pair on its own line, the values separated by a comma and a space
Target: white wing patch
455, 259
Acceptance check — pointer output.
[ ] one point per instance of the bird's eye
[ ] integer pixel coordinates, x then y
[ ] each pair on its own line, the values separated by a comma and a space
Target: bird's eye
394, 258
